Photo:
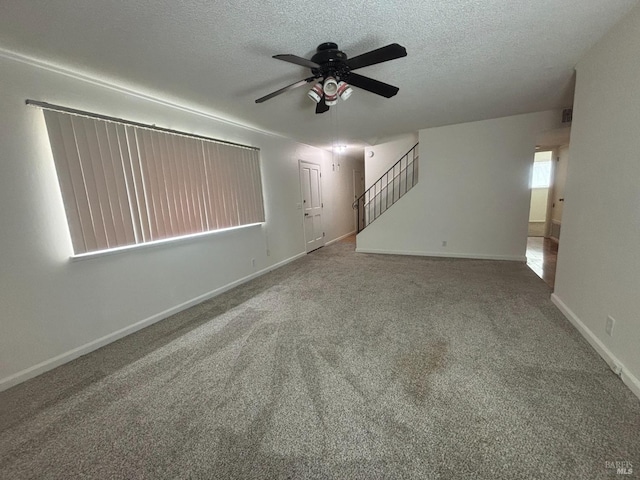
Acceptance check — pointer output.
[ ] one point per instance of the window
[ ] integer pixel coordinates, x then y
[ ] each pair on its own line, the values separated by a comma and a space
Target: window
126, 184
541, 174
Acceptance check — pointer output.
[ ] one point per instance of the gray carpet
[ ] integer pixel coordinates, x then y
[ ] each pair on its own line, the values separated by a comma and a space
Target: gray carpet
339, 365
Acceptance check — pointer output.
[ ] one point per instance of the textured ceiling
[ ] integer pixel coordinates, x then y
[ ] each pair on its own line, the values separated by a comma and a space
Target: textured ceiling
467, 59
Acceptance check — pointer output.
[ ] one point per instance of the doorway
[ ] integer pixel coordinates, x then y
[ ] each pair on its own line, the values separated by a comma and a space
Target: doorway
545, 216
541, 186
311, 187
541, 256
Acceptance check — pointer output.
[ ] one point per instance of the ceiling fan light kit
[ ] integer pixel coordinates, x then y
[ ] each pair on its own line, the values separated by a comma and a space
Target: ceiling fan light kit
315, 93
344, 90
332, 71
330, 86
330, 91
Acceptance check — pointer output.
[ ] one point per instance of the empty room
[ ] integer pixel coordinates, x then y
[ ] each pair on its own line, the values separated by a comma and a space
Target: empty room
291, 241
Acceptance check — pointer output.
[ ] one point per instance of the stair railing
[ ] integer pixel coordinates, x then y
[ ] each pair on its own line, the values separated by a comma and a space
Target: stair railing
388, 189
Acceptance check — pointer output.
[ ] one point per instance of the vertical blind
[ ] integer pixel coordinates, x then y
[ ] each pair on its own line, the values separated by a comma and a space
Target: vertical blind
125, 184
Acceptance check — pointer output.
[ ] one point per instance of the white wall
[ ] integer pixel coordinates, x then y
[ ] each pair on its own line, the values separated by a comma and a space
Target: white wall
473, 192
598, 272
53, 309
538, 209
385, 155
338, 202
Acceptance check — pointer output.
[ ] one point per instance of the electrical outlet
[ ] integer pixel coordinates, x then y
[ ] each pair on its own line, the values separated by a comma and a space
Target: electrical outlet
444, 243
610, 324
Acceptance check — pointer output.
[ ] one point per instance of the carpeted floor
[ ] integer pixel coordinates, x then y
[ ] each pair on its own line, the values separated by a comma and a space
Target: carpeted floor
339, 365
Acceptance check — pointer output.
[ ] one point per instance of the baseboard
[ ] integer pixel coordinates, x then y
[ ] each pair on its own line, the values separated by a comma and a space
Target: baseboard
63, 358
627, 377
340, 238
478, 256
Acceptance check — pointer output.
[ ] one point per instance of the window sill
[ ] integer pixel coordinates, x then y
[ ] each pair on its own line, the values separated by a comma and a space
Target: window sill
156, 243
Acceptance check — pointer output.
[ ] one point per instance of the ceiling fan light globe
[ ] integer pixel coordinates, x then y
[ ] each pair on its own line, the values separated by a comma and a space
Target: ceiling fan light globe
330, 86
315, 93
344, 90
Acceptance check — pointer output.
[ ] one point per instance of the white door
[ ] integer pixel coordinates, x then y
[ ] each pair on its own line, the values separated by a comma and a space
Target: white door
310, 181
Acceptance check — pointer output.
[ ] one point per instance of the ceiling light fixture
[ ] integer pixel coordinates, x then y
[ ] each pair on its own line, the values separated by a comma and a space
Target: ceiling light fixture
330, 91
316, 92
339, 148
344, 90
332, 67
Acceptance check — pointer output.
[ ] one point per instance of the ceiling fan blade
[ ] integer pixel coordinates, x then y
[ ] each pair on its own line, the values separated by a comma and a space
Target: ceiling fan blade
285, 89
297, 60
384, 54
373, 86
322, 106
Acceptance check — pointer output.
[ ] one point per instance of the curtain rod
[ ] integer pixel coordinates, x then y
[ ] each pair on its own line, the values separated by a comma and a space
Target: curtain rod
59, 108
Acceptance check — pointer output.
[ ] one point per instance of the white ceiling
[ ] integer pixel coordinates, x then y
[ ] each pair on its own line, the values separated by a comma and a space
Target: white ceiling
467, 59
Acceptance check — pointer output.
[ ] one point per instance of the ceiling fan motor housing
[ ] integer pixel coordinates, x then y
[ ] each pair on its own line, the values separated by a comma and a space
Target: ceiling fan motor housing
333, 62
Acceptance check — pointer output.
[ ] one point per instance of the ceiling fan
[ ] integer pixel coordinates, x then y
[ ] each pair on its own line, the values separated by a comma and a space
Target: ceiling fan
333, 73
